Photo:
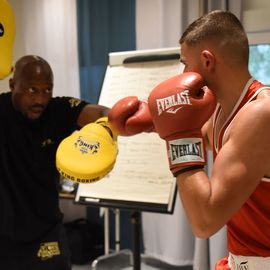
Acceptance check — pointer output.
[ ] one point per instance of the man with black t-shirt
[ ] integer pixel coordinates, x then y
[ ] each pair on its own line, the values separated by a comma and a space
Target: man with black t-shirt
33, 123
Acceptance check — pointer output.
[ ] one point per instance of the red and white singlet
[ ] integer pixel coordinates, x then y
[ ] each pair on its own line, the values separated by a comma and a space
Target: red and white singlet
248, 231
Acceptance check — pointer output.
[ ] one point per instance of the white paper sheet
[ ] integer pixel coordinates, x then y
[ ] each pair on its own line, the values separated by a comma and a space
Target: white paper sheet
141, 172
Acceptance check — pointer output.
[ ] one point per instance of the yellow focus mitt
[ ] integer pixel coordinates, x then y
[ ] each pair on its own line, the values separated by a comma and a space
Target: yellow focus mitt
7, 36
89, 154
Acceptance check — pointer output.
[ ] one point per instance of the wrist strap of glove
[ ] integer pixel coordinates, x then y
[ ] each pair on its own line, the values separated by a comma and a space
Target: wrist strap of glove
185, 154
195, 167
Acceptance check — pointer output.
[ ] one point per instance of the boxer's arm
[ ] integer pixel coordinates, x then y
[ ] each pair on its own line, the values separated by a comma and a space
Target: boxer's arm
90, 113
207, 132
237, 170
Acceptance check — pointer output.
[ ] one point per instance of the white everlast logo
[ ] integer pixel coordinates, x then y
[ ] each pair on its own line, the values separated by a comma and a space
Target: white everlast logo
185, 150
171, 104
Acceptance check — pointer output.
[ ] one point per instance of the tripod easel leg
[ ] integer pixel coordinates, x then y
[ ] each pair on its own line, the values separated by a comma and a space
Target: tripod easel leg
136, 221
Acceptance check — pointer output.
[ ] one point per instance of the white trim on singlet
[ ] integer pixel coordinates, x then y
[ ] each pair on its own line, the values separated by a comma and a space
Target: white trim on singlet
216, 138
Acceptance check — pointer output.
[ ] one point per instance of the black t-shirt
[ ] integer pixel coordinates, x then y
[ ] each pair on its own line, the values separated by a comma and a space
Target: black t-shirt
29, 180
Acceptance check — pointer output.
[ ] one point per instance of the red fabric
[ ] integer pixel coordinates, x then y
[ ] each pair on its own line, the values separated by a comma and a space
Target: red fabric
248, 231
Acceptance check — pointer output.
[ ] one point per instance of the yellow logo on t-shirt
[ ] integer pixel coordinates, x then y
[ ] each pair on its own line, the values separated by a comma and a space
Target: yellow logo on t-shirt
47, 142
48, 250
74, 102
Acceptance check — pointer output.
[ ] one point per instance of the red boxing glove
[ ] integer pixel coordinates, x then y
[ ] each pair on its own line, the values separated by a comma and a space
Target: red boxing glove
130, 116
179, 107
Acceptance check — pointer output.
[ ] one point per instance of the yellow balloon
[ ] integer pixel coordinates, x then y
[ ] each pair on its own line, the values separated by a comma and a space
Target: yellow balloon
7, 36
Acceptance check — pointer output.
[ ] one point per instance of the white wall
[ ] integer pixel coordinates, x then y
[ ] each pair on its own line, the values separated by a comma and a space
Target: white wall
255, 15
48, 28
160, 23
256, 20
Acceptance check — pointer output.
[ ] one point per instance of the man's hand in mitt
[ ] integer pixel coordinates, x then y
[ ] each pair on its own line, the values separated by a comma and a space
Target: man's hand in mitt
89, 154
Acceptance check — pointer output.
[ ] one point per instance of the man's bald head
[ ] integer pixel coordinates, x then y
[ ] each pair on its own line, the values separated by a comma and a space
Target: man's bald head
30, 65
31, 86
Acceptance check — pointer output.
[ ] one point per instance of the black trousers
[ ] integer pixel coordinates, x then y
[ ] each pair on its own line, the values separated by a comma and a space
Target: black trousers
50, 252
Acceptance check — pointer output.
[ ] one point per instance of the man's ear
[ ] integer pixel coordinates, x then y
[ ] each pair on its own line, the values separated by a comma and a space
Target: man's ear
11, 84
208, 60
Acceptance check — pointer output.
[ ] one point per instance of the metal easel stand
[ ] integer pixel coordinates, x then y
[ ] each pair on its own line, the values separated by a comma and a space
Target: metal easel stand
136, 221
117, 259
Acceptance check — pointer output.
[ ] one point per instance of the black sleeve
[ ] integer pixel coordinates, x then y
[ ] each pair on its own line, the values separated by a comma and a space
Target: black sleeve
66, 111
